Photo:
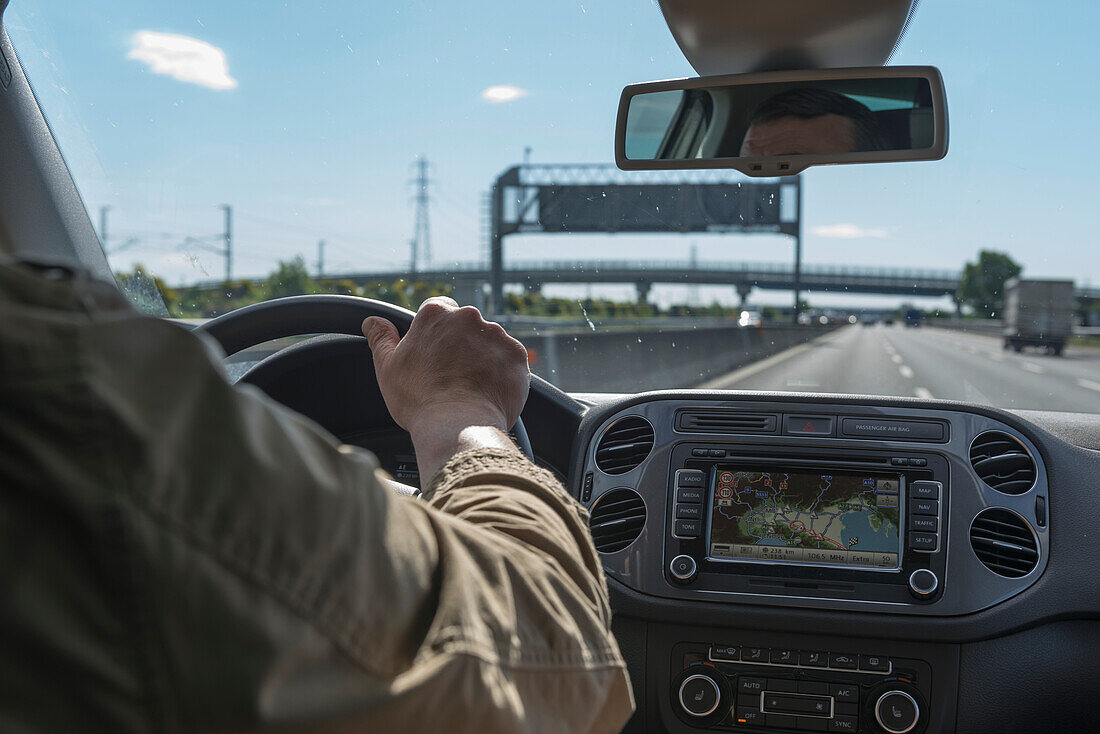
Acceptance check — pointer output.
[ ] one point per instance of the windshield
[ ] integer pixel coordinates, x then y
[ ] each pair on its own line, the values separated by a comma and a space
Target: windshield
235, 152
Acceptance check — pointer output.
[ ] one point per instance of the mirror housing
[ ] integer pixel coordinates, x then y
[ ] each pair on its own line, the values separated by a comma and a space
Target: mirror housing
781, 123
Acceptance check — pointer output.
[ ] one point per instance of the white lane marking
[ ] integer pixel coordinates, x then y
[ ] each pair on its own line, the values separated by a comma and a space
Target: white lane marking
1089, 384
906, 371
923, 392
897, 359
1033, 368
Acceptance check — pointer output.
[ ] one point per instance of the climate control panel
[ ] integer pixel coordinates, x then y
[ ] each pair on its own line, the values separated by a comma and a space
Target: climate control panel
732, 687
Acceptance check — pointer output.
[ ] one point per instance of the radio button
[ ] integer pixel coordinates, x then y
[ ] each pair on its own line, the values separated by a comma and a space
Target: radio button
682, 568
846, 692
925, 490
755, 655
689, 494
812, 659
924, 524
842, 661
844, 723
784, 657
725, 653
754, 686
923, 541
689, 512
686, 529
690, 478
874, 663
924, 507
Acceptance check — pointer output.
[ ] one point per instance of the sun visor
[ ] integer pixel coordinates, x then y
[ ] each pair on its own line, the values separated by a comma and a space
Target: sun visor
739, 36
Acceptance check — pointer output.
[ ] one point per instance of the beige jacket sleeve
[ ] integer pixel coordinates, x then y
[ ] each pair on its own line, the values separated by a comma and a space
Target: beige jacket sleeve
186, 555
284, 583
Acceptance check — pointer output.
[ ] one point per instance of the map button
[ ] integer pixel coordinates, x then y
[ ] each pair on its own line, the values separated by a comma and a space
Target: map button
925, 490
808, 425
690, 478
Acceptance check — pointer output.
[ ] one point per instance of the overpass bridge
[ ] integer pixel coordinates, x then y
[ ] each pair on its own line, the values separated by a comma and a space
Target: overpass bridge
744, 277
469, 279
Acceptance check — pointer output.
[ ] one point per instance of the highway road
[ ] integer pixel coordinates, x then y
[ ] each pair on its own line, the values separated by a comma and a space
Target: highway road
928, 363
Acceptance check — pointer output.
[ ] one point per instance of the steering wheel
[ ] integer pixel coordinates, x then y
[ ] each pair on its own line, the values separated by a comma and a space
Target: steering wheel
320, 314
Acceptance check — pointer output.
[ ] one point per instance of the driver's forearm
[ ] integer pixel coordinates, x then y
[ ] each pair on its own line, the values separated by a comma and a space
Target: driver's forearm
447, 436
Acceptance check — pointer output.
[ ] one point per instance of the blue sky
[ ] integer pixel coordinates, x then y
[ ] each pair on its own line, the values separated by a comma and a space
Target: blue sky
331, 102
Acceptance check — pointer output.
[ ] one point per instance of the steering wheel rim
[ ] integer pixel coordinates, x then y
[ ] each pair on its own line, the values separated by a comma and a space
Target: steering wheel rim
315, 314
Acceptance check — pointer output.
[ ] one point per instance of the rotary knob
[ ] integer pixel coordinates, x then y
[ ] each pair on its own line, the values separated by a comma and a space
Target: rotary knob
701, 695
897, 712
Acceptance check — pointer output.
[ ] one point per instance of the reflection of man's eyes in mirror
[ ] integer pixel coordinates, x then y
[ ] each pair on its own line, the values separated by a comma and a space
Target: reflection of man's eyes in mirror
807, 120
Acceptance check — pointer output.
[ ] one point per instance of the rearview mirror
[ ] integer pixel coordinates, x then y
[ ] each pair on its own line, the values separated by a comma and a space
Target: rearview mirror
780, 123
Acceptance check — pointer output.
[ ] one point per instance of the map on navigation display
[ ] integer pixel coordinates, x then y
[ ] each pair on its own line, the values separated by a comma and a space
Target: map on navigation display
835, 518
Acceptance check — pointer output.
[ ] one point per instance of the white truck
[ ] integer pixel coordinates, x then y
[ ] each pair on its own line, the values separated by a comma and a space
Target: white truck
1038, 313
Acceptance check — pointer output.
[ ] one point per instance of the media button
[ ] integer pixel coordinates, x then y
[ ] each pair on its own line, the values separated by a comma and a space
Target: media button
813, 659
690, 478
924, 507
755, 655
689, 494
842, 661
689, 512
874, 663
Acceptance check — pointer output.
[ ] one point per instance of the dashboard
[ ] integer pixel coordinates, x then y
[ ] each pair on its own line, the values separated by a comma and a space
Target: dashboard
797, 562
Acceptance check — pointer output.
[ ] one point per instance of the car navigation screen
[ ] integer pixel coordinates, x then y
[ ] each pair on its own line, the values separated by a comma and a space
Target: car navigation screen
829, 517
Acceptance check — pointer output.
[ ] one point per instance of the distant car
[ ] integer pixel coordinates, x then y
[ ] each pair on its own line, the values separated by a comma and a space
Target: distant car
913, 317
805, 319
888, 321
751, 319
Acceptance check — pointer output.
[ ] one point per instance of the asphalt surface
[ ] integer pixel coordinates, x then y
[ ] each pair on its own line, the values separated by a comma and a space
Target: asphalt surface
929, 363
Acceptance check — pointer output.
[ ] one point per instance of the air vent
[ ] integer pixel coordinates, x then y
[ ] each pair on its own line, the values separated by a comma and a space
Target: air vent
1002, 462
617, 519
624, 445
1003, 541
724, 421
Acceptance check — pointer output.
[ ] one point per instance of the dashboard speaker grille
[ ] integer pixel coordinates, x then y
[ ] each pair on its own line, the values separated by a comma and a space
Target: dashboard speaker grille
624, 445
617, 519
720, 421
1002, 462
1003, 541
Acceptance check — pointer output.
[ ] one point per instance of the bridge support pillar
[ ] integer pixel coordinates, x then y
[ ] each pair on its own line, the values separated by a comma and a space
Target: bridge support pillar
743, 292
958, 308
644, 287
470, 294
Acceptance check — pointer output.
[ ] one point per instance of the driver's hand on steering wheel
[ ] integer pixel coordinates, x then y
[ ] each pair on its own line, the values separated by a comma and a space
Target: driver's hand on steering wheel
455, 381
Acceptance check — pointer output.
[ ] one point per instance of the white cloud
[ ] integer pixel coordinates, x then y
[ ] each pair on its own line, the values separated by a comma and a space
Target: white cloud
502, 93
183, 58
847, 231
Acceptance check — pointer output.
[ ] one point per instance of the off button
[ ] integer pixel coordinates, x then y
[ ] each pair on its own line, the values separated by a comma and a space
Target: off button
682, 568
